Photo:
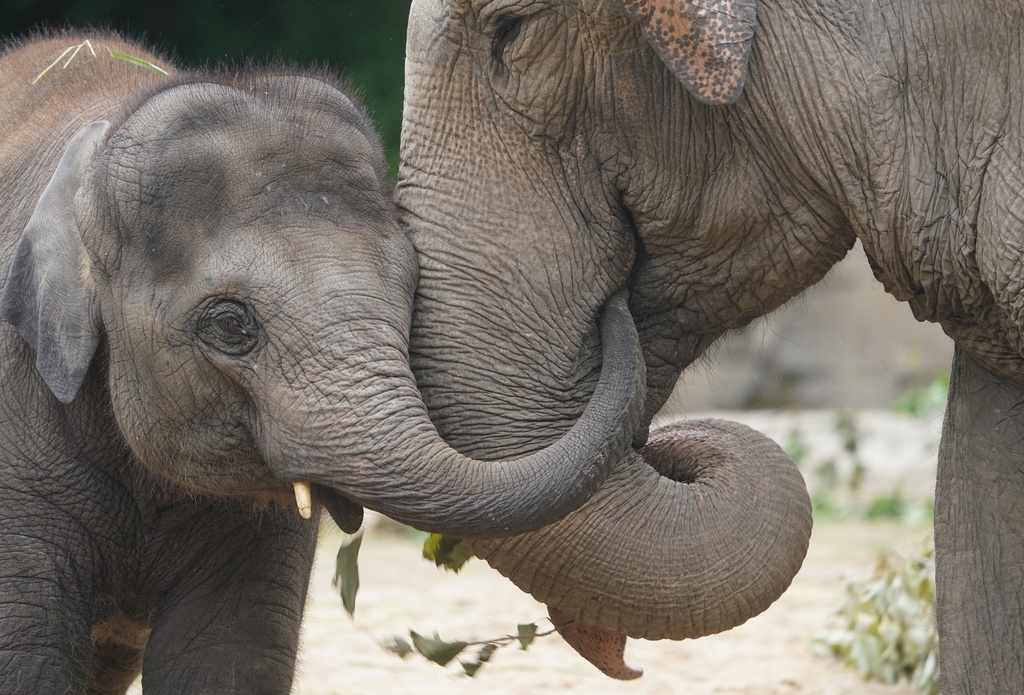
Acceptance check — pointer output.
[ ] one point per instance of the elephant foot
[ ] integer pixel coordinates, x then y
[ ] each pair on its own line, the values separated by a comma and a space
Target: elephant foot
603, 649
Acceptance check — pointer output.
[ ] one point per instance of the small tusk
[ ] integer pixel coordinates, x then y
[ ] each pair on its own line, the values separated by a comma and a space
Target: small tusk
304, 498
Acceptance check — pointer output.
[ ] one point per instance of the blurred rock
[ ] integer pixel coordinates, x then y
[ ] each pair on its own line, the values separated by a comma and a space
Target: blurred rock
844, 343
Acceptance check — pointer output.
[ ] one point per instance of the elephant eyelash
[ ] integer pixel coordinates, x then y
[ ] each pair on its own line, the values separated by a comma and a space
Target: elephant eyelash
230, 327
506, 30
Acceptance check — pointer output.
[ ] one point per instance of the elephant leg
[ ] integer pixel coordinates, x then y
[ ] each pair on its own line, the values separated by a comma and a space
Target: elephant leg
45, 603
229, 621
979, 533
44, 646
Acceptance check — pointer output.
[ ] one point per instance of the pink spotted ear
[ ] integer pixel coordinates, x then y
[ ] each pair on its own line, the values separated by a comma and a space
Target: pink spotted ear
705, 43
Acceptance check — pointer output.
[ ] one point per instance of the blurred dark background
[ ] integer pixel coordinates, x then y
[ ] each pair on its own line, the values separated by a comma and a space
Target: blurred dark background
362, 39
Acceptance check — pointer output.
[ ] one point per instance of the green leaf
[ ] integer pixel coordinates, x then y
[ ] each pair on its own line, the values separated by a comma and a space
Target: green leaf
435, 649
471, 667
527, 632
346, 573
485, 653
136, 61
447, 552
398, 646
482, 657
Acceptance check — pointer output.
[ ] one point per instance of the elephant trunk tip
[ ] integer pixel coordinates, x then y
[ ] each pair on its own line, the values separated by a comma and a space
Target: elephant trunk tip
605, 650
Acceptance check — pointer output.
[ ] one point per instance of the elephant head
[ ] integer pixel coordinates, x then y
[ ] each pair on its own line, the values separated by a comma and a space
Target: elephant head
226, 255
552, 156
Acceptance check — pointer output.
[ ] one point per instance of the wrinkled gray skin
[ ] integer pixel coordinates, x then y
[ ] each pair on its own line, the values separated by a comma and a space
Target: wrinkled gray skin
555, 151
207, 299
531, 196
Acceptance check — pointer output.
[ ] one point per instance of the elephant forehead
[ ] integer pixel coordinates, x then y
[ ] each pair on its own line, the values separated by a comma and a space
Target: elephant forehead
200, 180
198, 175
212, 143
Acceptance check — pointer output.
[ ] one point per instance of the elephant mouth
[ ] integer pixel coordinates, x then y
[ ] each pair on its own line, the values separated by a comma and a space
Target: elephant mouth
348, 515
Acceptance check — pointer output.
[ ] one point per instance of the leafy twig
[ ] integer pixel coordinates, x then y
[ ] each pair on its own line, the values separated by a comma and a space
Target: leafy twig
886, 626
442, 653
452, 554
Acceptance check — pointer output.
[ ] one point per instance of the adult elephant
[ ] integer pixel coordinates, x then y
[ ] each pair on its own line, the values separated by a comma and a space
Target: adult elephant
206, 306
716, 158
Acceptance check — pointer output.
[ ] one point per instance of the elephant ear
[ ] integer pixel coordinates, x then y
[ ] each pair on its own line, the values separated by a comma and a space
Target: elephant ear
705, 43
49, 295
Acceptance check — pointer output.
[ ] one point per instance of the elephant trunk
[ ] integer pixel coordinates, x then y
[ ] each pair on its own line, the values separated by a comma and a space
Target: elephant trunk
402, 468
702, 533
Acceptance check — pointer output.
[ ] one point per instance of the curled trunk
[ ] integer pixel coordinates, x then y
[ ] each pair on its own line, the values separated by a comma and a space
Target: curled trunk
406, 471
702, 533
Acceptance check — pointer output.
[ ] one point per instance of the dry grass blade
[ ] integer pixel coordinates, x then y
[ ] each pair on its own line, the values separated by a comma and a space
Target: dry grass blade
73, 50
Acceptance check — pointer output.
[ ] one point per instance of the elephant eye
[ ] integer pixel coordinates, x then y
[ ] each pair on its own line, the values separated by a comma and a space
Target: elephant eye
230, 327
506, 30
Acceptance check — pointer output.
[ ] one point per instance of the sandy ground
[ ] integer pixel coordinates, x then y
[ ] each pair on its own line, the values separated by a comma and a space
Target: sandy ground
769, 655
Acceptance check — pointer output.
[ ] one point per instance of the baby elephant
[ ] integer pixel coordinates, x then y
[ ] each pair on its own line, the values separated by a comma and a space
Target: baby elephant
205, 285
207, 305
